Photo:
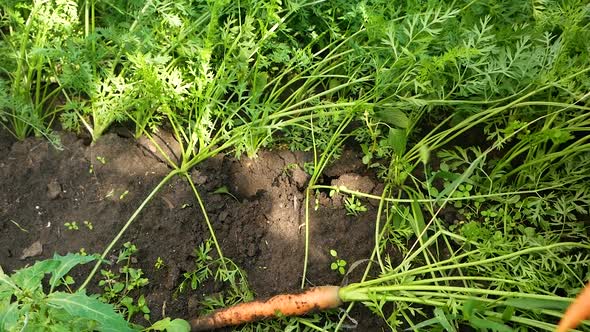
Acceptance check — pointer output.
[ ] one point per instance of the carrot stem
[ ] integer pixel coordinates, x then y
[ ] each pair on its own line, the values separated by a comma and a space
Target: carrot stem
578, 311
313, 299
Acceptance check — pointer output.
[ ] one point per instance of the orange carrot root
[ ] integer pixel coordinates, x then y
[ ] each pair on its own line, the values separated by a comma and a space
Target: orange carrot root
317, 298
578, 311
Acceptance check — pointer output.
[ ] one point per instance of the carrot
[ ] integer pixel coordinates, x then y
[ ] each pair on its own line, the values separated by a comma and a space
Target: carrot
578, 311
316, 298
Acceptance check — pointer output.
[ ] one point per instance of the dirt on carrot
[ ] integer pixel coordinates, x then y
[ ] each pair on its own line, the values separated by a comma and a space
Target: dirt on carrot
316, 298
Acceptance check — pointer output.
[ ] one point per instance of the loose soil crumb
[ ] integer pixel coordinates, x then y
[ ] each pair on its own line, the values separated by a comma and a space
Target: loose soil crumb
260, 226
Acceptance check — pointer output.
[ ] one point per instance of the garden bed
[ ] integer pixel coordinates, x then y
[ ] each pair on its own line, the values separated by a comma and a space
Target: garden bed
258, 222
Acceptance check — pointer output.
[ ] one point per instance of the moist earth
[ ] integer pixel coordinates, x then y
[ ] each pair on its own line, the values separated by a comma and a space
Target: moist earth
256, 207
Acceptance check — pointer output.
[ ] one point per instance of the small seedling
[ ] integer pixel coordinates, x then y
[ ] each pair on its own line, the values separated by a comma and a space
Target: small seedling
353, 206
464, 190
202, 271
123, 194
290, 166
335, 191
101, 159
88, 225
225, 191
338, 264
159, 263
82, 252
117, 287
309, 168
72, 226
68, 280
91, 169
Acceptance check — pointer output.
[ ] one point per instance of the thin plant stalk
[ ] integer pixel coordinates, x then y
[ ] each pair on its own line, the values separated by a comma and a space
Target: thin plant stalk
335, 142
207, 221
110, 246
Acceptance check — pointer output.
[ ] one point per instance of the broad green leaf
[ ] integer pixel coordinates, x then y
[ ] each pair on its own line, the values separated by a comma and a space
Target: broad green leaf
82, 306
419, 326
424, 154
470, 307
393, 117
334, 83
66, 263
118, 287
176, 325
398, 220
442, 319
529, 304
224, 190
179, 325
508, 313
30, 278
64, 327
63, 321
8, 316
7, 286
513, 199
160, 325
484, 324
418, 223
397, 140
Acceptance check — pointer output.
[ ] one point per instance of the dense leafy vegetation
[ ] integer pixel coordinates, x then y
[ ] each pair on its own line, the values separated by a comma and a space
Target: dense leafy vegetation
403, 80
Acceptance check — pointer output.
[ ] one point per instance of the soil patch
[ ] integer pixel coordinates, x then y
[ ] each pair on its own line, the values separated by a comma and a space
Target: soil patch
259, 226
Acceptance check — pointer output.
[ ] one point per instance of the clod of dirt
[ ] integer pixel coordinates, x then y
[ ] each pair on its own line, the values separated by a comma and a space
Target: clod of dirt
355, 182
33, 250
223, 215
251, 250
167, 144
299, 177
265, 166
348, 162
171, 278
53, 189
198, 177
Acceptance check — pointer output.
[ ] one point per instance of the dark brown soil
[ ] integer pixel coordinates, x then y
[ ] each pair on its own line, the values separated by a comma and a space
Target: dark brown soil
261, 229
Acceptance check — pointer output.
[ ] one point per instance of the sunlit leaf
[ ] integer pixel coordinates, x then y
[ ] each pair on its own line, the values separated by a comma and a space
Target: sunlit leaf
397, 140
442, 319
484, 324
393, 117
82, 306
8, 316
166, 324
66, 263
524, 303
418, 223
30, 278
